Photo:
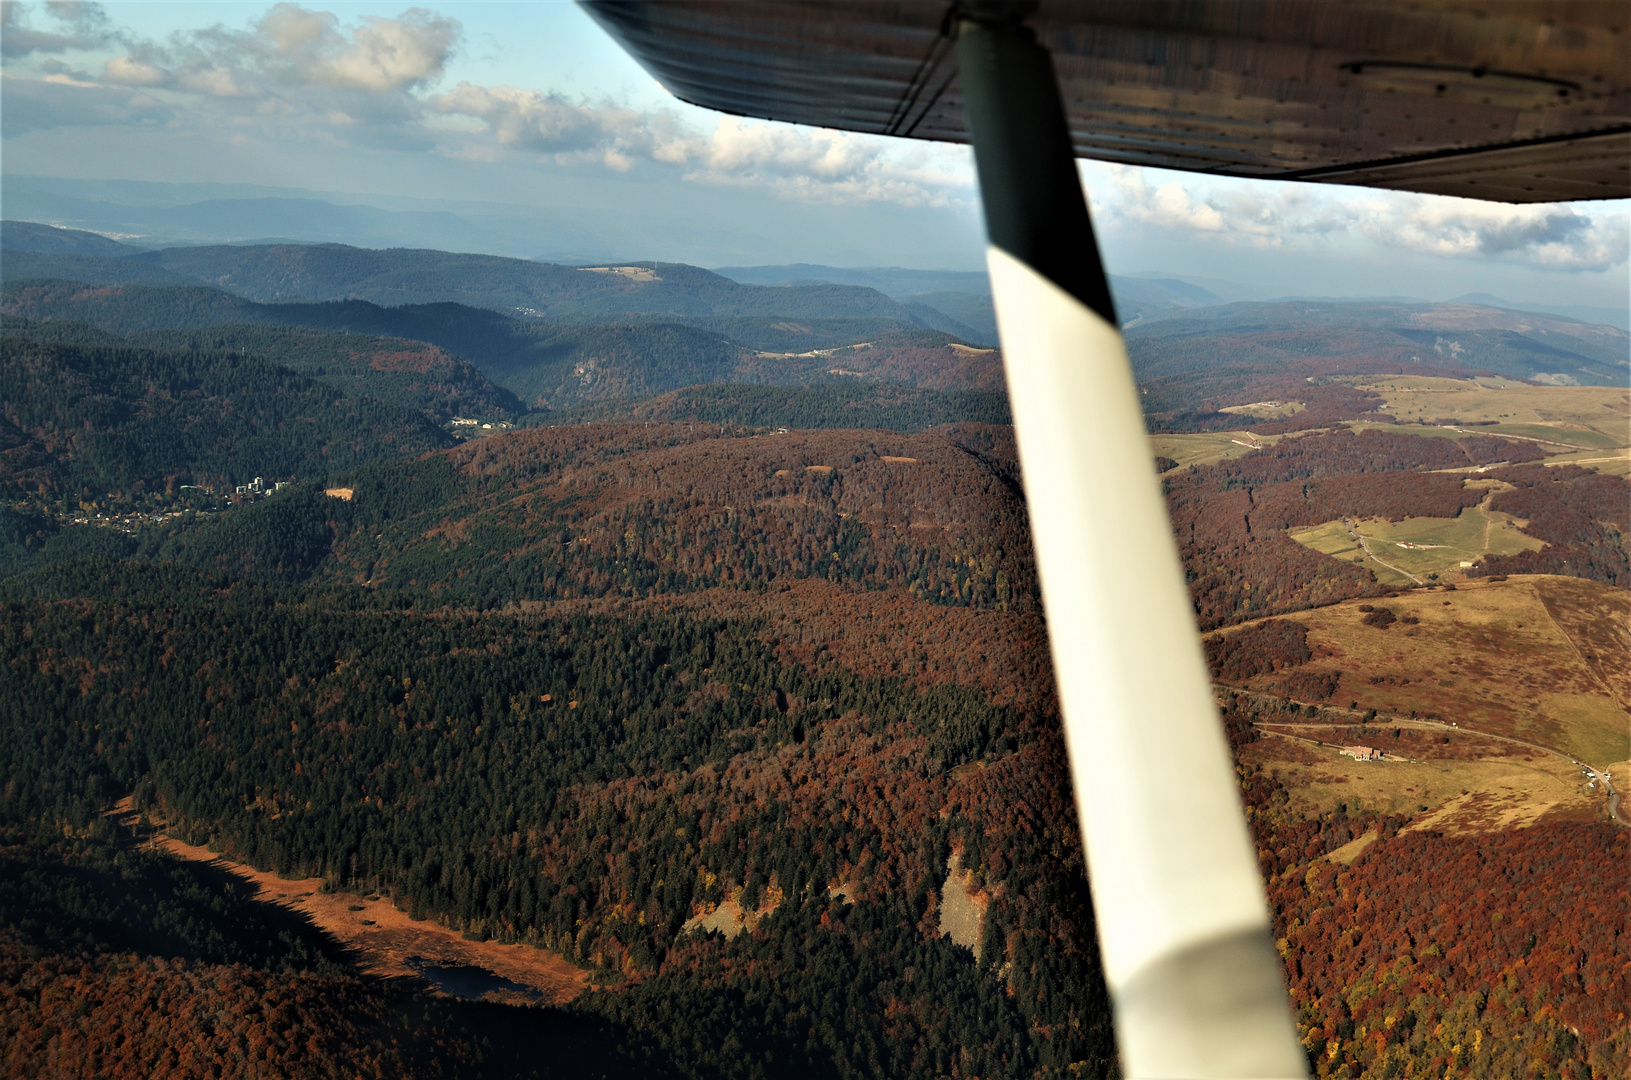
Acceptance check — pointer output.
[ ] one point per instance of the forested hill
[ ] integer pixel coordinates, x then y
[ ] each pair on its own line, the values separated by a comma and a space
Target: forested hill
32, 236
84, 419
394, 371
551, 365
319, 272
648, 509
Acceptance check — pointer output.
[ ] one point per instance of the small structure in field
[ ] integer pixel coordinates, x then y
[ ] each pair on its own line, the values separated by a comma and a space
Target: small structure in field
1363, 753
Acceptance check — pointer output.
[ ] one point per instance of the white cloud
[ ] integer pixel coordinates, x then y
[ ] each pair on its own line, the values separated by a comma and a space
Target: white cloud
1271, 215
801, 163
546, 123
294, 49
379, 56
127, 71
1558, 237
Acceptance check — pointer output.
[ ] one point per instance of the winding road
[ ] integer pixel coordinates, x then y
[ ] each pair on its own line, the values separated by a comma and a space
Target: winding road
1365, 547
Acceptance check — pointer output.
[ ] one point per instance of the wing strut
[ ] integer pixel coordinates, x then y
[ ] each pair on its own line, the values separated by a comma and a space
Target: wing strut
1183, 927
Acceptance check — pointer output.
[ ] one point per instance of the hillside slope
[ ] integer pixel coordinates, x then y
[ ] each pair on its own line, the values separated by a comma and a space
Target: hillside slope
81, 420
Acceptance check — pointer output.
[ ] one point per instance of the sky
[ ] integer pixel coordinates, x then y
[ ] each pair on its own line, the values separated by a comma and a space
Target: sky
529, 114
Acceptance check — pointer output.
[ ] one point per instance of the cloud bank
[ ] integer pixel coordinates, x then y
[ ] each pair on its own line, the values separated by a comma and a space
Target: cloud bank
1549, 235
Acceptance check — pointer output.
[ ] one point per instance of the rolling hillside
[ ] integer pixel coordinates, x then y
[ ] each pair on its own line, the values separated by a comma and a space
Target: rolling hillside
81, 420
32, 236
769, 706
547, 365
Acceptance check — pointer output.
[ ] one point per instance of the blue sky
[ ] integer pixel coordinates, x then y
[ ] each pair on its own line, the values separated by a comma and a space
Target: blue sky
530, 108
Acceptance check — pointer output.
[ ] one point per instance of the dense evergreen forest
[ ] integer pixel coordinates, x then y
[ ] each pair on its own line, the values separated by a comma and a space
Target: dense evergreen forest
81, 420
584, 784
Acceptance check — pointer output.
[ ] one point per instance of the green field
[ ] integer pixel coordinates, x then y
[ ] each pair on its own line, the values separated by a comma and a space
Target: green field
1267, 410
1206, 448
1437, 545
1588, 438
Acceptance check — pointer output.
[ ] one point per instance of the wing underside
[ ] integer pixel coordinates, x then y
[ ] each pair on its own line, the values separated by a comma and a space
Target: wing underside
1514, 101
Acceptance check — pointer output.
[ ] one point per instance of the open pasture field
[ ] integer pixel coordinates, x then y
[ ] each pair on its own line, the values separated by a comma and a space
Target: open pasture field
1267, 410
1419, 546
1552, 439
1590, 417
1535, 657
1457, 782
1207, 448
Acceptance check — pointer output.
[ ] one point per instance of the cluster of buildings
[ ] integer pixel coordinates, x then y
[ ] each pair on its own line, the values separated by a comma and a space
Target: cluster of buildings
469, 425
258, 487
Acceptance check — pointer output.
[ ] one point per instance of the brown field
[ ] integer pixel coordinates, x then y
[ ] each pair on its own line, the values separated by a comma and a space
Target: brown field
1610, 463
387, 943
1469, 784
1537, 658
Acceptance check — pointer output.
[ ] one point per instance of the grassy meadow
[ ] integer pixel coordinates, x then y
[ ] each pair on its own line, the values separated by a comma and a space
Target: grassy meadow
1534, 657
1474, 785
1207, 448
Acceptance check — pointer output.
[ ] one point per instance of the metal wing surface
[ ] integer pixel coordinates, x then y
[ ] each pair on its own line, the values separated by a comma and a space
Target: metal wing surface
1507, 100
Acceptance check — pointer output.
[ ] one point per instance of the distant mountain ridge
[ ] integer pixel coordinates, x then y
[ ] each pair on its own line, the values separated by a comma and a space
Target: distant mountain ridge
1461, 336
275, 273
1620, 316
1172, 325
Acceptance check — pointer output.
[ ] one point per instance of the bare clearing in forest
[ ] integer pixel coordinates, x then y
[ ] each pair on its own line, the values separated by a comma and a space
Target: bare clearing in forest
389, 944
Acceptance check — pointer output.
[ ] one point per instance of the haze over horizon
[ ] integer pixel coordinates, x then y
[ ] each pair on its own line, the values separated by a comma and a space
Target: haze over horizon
527, 132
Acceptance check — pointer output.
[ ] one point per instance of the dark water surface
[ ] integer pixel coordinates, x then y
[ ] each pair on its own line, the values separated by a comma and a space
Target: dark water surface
466, 981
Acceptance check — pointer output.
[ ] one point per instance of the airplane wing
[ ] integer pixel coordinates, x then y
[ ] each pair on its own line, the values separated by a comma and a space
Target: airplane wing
1509, 100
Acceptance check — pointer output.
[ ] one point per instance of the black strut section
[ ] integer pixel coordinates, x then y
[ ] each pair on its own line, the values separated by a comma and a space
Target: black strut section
1034, 209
